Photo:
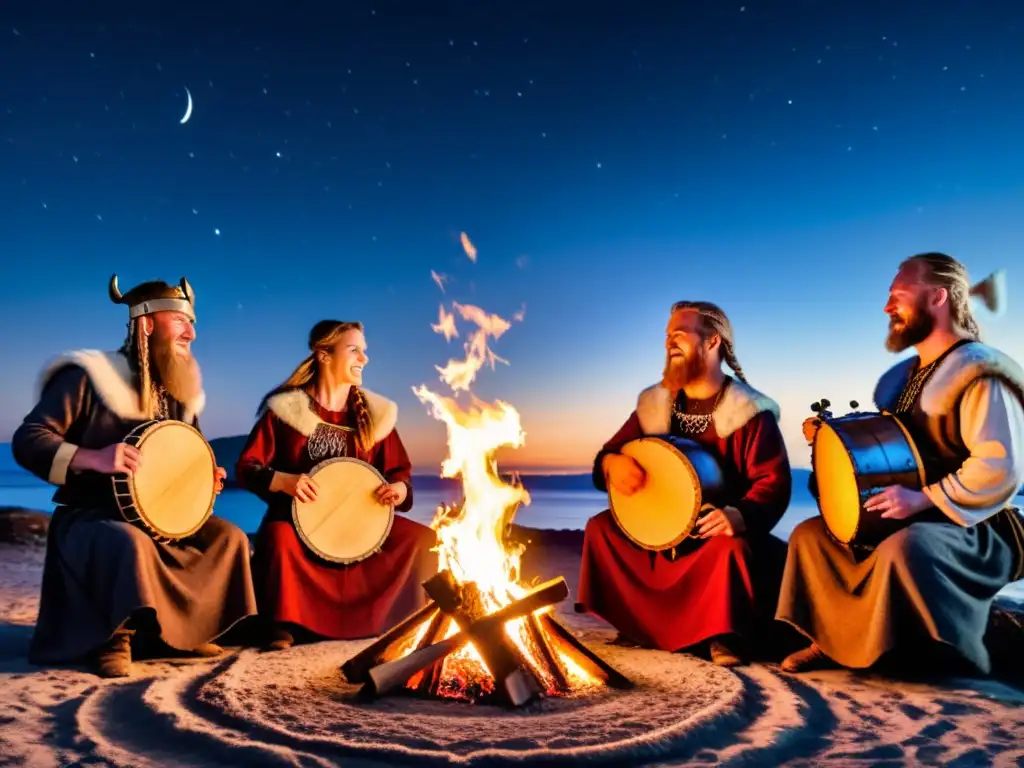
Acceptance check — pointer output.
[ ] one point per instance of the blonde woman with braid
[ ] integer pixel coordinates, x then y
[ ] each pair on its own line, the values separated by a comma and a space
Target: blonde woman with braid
713, 591
321, 411
925, 592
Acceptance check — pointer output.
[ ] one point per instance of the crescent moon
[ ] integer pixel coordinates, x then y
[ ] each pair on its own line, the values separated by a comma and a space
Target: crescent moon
188, 109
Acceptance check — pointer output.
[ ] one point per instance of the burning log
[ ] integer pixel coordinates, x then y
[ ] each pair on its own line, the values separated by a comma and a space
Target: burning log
356, 669
487, 632
554, 666
593, 663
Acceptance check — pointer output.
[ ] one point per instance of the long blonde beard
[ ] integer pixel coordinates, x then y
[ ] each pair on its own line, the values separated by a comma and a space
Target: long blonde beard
179, 375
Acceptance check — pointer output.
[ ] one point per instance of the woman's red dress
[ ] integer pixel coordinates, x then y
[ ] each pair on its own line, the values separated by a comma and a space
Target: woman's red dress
295, 586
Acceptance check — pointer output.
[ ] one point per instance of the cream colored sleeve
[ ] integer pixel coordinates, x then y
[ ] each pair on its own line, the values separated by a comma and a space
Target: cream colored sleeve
992, 428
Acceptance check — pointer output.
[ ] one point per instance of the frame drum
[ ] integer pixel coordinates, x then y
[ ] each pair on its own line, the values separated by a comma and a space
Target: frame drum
853, 458
681, 478
346, 523
172, 492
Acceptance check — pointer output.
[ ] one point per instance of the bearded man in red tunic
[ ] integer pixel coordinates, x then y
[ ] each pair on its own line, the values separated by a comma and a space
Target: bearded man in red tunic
716, 587
322, 412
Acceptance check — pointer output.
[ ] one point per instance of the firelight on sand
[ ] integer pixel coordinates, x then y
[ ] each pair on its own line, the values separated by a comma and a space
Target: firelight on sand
471, 534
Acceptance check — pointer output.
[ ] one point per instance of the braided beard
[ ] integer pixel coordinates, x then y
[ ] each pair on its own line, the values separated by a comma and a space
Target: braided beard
177, 373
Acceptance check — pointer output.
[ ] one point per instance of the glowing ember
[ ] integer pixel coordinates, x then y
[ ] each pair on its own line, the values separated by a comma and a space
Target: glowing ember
471, 534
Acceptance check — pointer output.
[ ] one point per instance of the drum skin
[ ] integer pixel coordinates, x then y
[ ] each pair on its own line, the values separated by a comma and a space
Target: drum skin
346, 523
682, 476
172, 492
854, 457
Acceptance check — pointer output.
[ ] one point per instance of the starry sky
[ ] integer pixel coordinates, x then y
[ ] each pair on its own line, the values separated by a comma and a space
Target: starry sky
605, 159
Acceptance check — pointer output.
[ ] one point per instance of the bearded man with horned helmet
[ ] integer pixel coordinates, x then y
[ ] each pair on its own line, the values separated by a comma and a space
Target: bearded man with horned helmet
925, 592
718, 586
108, 583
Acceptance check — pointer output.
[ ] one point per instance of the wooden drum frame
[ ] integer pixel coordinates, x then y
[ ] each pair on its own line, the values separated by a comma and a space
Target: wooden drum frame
682, 478
171, 494
345, 524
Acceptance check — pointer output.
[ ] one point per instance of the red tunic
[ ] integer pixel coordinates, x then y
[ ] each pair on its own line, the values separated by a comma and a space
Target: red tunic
295, 586
714, 587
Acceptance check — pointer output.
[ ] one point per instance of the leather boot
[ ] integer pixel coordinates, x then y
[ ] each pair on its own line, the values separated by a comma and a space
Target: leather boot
114, 658
280, 638
207, 650
807, 660
724, 653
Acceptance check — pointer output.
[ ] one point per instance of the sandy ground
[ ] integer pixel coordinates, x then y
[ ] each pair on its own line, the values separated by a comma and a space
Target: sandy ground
293, 708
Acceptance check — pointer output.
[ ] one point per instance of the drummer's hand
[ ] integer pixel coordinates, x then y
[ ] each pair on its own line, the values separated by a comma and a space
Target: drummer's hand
897, 502
302, 487
115, 458
392, 494
624, 473
810, 427
219, 476
727, 521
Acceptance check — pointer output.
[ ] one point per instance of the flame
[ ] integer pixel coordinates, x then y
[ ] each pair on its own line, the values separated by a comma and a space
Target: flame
439, 279
471, 534
468, 247
445, 324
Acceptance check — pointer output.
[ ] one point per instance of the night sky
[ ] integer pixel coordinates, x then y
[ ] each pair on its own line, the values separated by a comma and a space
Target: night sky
606, 159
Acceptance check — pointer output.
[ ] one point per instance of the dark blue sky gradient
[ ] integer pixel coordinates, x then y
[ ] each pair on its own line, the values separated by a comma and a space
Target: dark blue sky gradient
606, 159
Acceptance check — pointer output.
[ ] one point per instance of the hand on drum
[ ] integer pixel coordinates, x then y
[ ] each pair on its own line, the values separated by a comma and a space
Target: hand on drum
116, 458
897, 502
392, 494
219, 476
624, 473
727, 521
302, 487
810, 427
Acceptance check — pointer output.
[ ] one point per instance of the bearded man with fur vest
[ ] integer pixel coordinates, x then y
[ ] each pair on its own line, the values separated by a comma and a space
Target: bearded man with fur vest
108, 583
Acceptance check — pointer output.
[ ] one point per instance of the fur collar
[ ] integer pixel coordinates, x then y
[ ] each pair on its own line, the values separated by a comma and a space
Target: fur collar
957, 370
738, 405
113, 381
295, 408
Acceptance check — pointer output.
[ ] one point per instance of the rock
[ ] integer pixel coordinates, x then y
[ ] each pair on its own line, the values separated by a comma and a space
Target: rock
23, 526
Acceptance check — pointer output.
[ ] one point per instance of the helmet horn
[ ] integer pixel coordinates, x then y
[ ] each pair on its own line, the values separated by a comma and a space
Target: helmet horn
115, 292
992, 292
187, 290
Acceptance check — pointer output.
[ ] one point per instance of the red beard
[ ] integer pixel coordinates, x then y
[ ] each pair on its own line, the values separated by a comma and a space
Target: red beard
680, 371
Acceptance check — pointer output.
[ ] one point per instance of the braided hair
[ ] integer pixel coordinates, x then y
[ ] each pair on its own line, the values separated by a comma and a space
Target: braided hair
714, 322
322, 337
136, 350
946, 272
364, 423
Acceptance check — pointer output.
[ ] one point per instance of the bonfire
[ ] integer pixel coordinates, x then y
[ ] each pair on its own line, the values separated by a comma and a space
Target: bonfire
485, 635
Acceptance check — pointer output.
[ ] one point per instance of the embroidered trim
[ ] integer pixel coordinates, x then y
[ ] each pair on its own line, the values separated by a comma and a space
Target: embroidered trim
328, 441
